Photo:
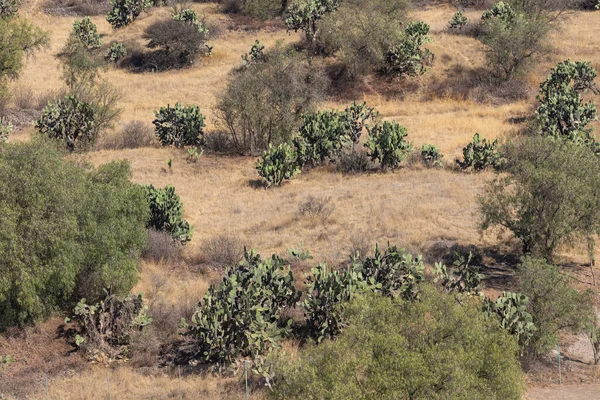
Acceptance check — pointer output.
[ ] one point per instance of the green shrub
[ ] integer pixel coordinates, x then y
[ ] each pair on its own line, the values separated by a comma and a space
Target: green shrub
360, 32
67, 232
459, 20
9, 8
500, 10
562, 112
436, 348
321, 137
392, 272
386, 144
241, 317
166, 213
481, 154
255, 55
431, 155
407, 57
327, 294
555, 305
549, 196
463, 277
263, 101
70, 121
511, 309
179, 126
5, 129
87, 33
304, 15
278, 164
124, 12
115, 52
107, 326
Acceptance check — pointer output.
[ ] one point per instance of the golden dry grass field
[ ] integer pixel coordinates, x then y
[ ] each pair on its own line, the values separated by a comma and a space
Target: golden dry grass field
412, 207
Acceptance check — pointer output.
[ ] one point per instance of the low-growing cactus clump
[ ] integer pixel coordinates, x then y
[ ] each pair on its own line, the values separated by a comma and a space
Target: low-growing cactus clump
278, 164
166, 213
179, 126
481, 154
387, 144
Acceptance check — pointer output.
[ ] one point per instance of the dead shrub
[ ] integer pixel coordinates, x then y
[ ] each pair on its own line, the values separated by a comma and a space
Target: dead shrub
354, 162
359, 244
161, 247
82, 8
316, 208
223, 250
133, 135
219, 142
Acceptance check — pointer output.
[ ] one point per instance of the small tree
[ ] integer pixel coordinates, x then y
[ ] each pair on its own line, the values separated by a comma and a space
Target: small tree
278, 164
70, 121
550, 196
386, 144
555, 305
166, 213
124, 12
87, 33
5, 129
562, 112
459, 20
481, 154
179, 126
407, 57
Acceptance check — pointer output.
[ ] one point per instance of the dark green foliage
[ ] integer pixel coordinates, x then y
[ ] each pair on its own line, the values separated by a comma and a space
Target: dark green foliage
511, 309
179, 126
463, 277
67, 232
436, 348
321, 137
9, 8
562, 112
431, 156
360, 33
550, 197
255, 55
304, 15
459, 20
5, 129
124, 12
386, 144
278, 164
407, 57
392, 273
70, 121
241, 317
500, 10
107, 326
115, 52
190, 16
87, 33
166, 213
555, 305
327, 294
357, 117
264, 100
481, 154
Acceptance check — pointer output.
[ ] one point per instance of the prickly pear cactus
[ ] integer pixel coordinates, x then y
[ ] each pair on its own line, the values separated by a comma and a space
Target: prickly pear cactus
179, 126
278, 164
386, 144
458, 20
166, 213
481, 154
115, 52
511, 310
87, 33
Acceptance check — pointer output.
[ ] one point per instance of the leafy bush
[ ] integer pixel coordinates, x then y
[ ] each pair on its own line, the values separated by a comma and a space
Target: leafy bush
278, 164
87, 33
403, 350
431, 155
124, 12
392, 272
480, 154
70, 121
459, 20
68, 232
555, 305
463, 278
179, 43
407, 57
107, 326
386, 144
512, 312
115, 52
179, 126
242, 316
9, 8
166, 213
263, 102
360, 32
5, 129
562, 112
327, 294
549, 197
